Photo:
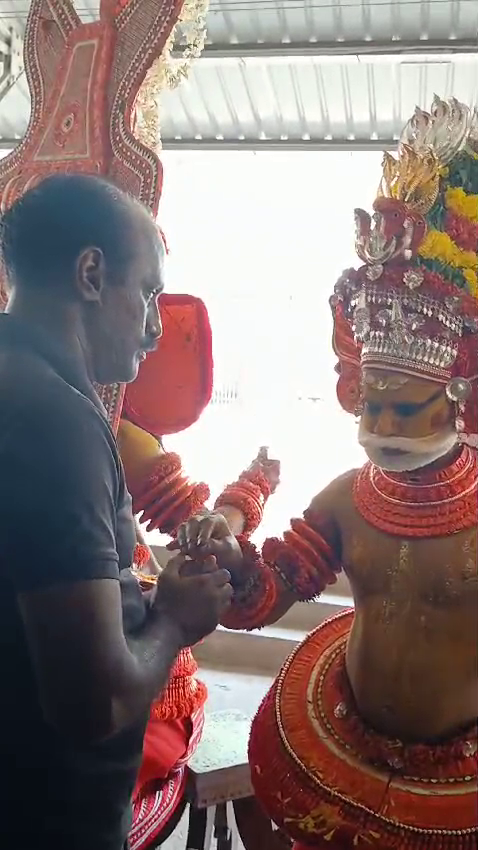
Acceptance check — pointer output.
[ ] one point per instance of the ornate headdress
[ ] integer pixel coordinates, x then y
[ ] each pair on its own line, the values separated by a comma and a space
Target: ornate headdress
94, 91
413, 306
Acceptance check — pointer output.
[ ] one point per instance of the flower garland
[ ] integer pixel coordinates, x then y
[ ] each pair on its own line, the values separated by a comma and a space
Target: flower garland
170, 70
438, 245
463, 231
461, 203
461, 278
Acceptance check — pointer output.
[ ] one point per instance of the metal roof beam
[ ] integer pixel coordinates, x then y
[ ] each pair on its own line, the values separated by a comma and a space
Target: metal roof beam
260, 144
279, 144
422, 47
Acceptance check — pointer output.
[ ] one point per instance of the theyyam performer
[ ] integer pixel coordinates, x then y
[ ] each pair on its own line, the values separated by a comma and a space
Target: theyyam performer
368, 737
94, 89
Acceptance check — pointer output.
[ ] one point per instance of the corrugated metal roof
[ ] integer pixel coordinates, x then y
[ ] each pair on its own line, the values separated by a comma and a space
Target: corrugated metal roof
304, 99
266, 21
311, 98
289, 21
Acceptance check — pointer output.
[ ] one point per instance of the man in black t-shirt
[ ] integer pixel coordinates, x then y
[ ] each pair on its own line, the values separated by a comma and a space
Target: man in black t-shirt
82, 655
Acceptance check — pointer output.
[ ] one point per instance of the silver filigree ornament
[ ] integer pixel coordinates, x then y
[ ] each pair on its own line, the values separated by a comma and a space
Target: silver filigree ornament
471, 324
470, 748
361, 317
399, 331
413, 279
453, 302
458, 391
444, 130
374, 272
340, 710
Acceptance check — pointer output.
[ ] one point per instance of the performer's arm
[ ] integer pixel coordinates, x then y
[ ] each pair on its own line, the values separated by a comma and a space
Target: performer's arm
166, 497
297, 567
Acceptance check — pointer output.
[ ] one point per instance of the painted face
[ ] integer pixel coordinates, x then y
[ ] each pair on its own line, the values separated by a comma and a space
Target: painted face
407, 422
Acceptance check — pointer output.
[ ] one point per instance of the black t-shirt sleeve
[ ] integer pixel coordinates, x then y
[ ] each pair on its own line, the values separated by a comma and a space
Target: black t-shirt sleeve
58, 498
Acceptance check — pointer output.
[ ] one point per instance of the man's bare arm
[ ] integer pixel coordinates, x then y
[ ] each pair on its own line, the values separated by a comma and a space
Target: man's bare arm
92, 681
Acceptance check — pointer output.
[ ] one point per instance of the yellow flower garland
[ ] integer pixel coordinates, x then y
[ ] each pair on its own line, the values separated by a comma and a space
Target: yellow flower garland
462, 204
439, 246
472, 281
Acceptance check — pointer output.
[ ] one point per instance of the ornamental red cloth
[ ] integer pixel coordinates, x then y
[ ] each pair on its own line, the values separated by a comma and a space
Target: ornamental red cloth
174, 383
165, 745
84, 80
167, 749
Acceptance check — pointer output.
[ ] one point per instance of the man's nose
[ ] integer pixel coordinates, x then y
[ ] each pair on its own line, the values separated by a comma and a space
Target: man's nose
385, 425
154, 326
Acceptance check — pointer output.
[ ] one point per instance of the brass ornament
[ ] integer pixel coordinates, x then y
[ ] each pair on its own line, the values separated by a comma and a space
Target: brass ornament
413, 179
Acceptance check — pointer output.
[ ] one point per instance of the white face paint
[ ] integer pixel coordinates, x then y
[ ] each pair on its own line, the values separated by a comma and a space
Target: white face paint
405, 454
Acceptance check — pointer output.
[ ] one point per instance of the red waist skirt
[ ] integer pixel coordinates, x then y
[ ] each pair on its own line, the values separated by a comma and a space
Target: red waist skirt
331, 782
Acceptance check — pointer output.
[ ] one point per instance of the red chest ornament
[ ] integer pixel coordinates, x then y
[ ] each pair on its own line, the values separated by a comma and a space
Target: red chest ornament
423, 504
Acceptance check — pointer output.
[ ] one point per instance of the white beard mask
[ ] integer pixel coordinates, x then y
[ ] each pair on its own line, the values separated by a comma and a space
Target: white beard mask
417, 452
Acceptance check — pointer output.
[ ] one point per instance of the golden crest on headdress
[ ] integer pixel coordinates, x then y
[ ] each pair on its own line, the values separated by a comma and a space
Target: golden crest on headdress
413, 178
429, 142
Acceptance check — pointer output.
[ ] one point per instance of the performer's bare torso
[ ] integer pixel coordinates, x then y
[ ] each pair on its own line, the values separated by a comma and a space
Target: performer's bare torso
412, 656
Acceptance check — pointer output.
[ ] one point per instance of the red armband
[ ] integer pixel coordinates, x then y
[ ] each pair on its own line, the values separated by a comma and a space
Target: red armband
168, 497
304, 560
256, 595
248, 495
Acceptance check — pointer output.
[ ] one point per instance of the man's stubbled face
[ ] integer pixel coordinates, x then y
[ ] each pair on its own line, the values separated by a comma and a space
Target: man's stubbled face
407, 422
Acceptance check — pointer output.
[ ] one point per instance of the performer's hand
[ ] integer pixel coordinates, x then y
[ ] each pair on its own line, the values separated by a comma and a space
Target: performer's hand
202, 536
270, 468
194, 599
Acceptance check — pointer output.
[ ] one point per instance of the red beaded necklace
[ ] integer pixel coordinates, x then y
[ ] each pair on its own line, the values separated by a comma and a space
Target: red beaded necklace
426, 503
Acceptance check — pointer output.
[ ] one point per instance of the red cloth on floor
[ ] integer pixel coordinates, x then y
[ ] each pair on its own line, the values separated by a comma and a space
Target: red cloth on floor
165, 745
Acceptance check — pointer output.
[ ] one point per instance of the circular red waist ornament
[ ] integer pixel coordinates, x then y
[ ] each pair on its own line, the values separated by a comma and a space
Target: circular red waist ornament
427, 503
331, 782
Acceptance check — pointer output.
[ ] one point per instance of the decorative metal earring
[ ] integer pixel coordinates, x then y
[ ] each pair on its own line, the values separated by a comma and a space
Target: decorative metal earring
358, 410
359, 403
458, 391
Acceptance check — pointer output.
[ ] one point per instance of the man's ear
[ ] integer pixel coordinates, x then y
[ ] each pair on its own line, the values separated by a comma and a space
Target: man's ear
90, 275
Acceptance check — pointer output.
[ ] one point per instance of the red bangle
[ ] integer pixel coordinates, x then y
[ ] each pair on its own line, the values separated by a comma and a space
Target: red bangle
182, 504
247, 503
257, 478
248, 495
306, 579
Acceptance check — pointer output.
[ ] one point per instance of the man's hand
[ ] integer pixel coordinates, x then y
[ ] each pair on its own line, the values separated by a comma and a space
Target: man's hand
194, 600
202, 536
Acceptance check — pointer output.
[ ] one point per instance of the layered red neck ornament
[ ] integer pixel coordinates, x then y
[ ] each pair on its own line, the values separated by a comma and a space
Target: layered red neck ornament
424, 503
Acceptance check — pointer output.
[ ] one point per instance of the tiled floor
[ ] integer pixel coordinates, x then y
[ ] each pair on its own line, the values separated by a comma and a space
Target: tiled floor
235, 691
